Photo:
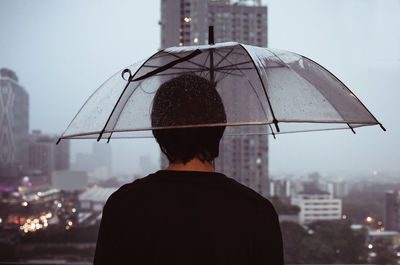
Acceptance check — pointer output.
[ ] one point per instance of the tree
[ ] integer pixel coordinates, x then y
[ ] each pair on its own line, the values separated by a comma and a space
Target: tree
360, 204
384, 252
284, 208
334, 241
7, 252
293, 234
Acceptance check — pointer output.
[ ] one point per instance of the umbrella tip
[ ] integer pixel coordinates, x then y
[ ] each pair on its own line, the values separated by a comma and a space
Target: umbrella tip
58, 141
383, 128
276, 125
211, 35
351, 128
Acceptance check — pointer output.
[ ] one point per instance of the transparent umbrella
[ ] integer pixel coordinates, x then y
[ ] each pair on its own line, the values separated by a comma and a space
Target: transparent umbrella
264, 91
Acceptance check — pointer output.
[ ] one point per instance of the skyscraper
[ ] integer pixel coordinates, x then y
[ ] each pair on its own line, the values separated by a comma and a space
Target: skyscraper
45, 156
391, 219
97, 163
14, 123
186, 22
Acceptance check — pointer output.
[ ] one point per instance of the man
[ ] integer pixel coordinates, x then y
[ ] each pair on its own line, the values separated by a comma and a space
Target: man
188, 213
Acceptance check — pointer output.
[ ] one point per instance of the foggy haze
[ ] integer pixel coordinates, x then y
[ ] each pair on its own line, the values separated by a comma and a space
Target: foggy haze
63, 50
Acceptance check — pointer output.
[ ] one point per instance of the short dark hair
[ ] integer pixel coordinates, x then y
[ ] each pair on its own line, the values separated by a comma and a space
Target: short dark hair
188, 100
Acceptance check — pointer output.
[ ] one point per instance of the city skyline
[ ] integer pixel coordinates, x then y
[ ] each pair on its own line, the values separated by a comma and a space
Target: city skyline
57, 69
334, 195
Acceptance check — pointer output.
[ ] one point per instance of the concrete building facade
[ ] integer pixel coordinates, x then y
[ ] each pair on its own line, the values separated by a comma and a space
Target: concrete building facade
185, 22
14, 122
98, 163
391, 219
45, 156
316, 206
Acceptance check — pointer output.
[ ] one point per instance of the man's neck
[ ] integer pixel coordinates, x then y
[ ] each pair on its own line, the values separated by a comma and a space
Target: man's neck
193, 165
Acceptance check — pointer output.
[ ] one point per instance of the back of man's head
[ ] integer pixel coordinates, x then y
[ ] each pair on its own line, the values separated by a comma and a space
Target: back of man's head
188, 100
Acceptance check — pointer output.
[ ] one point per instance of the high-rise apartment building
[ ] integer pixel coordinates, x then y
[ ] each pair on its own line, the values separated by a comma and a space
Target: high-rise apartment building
45, 156
97, 163
391, 219
186, 22
14, 123
239, 22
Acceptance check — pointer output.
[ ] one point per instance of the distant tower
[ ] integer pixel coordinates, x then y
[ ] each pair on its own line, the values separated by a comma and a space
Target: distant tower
186, 22
14, 122
102, 157
62, 156
45, 156
42, 154
391, 220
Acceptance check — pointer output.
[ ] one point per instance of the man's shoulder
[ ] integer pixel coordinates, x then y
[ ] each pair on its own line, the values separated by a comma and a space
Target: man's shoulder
250, 194
126, 190
226, 185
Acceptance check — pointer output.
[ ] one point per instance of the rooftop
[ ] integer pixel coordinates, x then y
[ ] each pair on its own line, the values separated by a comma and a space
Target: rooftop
97, 194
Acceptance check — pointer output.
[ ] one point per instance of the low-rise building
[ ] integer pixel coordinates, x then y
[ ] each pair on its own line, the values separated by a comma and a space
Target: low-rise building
316, 205
91, 203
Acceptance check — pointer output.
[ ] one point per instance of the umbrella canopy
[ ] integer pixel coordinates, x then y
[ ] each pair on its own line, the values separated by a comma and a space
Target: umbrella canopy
264, 91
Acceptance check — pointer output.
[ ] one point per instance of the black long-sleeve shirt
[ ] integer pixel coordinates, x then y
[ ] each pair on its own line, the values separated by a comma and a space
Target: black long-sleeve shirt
188, 217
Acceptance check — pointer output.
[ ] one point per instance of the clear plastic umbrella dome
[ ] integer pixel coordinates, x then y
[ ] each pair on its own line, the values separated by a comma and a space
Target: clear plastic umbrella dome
264, 91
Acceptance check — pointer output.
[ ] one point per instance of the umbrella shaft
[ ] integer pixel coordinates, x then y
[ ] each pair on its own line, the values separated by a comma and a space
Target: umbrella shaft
211, 66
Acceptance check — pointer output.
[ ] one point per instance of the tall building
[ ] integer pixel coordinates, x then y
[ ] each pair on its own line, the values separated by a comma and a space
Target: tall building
45, 156
186, 22
391, 219
239, 22
62, 155
14, 123
97, 163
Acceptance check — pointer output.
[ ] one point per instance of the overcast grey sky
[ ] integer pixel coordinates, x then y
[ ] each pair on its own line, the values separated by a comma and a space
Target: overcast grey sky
63, 50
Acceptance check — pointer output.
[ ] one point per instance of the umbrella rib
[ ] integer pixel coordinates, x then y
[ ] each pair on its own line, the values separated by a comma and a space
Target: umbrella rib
275, 121
272, 131
236, 68
229, 70
204, 63
234, 65
197, 64
177, 68
175, 73
169, 65
119, 114
227, 73
249, 68
223, 58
